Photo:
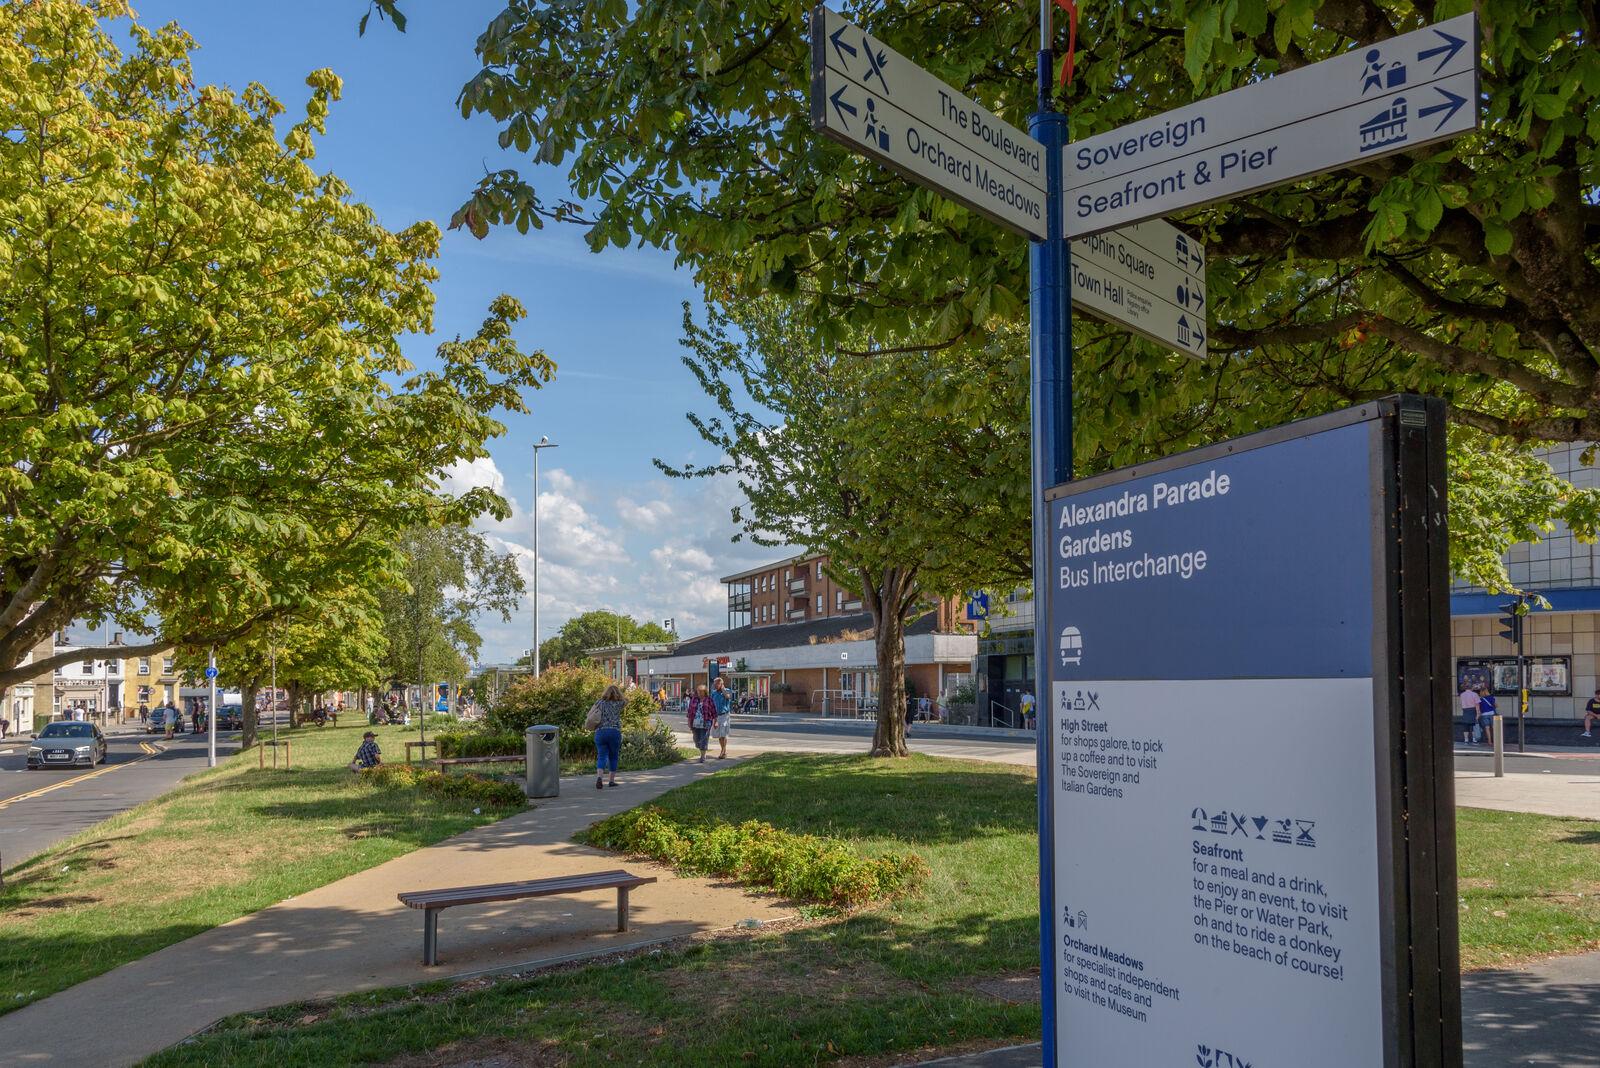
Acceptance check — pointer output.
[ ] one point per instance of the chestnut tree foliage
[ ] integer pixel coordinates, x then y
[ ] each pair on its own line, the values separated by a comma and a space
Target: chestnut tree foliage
1468, 270
902, 467
205, 415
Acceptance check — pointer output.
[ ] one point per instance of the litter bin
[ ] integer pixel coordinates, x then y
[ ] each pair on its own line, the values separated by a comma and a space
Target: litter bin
544, 761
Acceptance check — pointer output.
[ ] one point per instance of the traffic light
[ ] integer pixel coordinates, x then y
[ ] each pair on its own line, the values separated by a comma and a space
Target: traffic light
1511, 622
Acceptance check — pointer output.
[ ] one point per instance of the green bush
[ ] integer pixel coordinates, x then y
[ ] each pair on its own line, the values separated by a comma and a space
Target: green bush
652, 747
803, 867
562, 695
474, 743
468, 789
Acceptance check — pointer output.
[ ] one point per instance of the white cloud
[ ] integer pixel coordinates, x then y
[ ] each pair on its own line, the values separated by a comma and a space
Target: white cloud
647, 516
657, 552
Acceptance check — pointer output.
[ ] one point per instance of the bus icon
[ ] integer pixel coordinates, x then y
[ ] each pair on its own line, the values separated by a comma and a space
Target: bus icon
1071, 646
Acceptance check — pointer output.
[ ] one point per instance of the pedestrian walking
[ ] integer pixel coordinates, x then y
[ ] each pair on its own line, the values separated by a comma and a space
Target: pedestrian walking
1026, 706
144, 713
1486, 712
1470, 699
605, 719
1591, 714
702, 717
5, 726
169, 716
724, 705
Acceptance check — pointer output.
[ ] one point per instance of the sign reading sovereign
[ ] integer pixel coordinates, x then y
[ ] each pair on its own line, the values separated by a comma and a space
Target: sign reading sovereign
870, 98
1393, 96
1150, 278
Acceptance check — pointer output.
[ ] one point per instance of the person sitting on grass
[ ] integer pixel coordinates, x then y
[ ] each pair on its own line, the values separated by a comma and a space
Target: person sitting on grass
369, 755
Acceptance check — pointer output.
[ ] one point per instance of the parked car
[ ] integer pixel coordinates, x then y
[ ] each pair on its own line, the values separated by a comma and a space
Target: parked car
230, 718
67, 744
158, 719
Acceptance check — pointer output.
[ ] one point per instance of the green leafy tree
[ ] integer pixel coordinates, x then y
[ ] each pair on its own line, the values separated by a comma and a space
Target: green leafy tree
1469, 270
205, 416
906, 470
451, 578
594, 630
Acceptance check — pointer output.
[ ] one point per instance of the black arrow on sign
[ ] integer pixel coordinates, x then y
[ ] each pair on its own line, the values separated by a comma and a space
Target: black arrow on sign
1451, 46
841, 48
841, 107
1452, 104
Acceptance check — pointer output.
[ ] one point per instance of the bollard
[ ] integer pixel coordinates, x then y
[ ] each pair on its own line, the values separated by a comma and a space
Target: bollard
1495, 724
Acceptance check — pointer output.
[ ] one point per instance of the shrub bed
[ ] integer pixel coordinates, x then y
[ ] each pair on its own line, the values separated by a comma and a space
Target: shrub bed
804, 867
641, 748
474, 789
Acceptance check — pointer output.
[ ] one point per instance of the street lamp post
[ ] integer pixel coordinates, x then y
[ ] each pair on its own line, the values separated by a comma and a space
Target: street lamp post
542, 443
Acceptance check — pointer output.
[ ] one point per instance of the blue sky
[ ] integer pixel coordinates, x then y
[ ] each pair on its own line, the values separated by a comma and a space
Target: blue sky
614, 533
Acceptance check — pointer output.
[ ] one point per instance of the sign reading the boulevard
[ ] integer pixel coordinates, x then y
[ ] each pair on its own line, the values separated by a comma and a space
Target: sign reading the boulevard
1150, 278
870, 98
1396, 95
1238, 789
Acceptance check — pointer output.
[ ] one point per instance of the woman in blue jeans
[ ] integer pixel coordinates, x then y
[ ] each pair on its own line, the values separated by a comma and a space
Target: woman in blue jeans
606, 719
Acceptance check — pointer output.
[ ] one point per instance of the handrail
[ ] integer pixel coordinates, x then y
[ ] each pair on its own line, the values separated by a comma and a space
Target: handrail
993, 704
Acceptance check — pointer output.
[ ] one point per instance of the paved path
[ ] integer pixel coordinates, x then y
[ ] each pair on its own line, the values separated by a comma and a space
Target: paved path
1550, 793
1543, 1015
40, 808
352, 935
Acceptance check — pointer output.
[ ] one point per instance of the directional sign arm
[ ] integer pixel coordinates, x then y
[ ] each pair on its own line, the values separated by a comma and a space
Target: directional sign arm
841, 46
842, 106
1451, 46
1452, 104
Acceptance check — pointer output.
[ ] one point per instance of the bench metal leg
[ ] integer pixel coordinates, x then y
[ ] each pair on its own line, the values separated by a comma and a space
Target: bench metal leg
430, 937
622, 908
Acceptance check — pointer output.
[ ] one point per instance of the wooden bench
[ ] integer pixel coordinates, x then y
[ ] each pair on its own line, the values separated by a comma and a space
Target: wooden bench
432, 902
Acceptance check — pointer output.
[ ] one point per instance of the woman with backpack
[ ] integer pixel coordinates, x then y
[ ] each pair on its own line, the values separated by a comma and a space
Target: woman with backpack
702, 717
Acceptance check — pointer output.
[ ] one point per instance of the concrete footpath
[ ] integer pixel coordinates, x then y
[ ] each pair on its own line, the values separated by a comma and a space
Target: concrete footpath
1543, 1015
353, 935
1550, 794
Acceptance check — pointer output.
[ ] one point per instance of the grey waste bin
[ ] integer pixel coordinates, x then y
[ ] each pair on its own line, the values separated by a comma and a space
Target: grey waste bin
544, 761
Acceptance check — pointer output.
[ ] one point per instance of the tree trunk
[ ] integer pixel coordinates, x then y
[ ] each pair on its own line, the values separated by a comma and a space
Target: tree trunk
247, 715
294, 705
890, 737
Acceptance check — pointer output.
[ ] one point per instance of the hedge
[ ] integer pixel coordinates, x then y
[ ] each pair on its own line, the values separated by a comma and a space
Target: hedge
476, 789
640, 748
802, 867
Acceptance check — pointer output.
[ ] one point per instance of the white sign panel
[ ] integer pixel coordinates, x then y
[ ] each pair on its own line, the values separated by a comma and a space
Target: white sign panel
1370, 102
1150, 278
870, 98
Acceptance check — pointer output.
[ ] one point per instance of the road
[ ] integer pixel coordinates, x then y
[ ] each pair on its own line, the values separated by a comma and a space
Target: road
854, 736
39, 808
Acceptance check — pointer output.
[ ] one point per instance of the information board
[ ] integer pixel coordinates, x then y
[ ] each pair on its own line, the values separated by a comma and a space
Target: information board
1236, 879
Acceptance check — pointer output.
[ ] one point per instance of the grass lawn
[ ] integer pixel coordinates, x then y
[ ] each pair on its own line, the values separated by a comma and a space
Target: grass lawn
1530, 886
864, 987
223, 844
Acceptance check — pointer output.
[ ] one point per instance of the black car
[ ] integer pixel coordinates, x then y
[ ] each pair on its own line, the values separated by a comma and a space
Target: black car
67, 744
230, 718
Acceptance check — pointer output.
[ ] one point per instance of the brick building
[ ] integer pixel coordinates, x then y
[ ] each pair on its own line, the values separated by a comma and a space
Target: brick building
798, 640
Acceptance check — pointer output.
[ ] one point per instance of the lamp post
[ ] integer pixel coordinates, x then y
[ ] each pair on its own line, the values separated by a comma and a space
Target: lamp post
542, 443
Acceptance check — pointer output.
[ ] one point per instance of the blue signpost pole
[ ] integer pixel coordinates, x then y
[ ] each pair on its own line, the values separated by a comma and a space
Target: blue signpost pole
1051, 310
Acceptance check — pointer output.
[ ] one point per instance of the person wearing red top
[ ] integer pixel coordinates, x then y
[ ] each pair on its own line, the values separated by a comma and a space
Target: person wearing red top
702, 717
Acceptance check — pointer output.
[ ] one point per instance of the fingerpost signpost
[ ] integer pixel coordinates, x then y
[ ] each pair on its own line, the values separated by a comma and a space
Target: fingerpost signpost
1246, 820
